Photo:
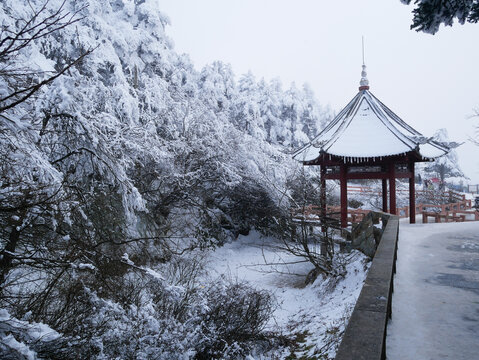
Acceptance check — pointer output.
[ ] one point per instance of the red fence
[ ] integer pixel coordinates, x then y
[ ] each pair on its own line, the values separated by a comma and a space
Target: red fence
447, 196
448, 205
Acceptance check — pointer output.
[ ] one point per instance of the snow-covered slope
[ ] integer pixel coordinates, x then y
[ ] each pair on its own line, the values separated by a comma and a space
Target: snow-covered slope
317, 313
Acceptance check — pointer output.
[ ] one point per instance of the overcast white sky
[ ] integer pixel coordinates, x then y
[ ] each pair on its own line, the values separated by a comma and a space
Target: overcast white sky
431, 82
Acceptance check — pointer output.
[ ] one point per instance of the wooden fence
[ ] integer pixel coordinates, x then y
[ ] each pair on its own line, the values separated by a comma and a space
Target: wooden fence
447, 196
448, 206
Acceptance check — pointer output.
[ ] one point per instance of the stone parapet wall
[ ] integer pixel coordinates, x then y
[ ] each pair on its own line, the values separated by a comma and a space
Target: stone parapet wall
365, 334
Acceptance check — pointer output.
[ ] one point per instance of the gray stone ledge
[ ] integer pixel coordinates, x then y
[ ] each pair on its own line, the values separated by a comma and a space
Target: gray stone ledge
365, 334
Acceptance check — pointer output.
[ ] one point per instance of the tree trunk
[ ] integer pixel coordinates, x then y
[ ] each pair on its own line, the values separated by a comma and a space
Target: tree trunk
6, 254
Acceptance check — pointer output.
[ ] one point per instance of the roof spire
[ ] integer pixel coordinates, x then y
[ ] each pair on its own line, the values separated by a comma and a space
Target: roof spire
362, 38
364, 83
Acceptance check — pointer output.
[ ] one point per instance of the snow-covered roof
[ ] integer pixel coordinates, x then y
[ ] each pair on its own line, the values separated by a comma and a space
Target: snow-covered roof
366, 128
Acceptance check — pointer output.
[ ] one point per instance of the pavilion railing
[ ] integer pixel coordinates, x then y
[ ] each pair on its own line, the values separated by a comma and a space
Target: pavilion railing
441, 196
452, 205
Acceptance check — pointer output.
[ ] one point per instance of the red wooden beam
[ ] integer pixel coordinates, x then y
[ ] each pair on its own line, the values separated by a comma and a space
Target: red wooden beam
323, 195
385, 195
327, 159
392, 189
344, 196
357, 176
412, 197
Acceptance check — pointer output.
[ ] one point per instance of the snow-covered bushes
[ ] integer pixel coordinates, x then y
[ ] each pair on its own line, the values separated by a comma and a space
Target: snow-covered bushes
132, 151
251, 206
19, 338
136, 315
234, 320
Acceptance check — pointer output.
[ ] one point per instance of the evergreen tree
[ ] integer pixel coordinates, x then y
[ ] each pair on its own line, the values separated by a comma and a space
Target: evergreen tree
430, 14
446, 168
270, 100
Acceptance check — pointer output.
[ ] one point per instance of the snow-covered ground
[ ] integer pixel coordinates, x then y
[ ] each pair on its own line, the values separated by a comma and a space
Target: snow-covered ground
435, 304
315, 313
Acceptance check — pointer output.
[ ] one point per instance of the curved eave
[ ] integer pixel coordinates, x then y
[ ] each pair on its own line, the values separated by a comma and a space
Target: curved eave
370, 155
431, 150
425, 152
315, 155
307, 153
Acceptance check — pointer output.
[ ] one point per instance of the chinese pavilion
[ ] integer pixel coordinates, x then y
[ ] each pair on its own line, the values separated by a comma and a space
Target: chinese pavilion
366, 140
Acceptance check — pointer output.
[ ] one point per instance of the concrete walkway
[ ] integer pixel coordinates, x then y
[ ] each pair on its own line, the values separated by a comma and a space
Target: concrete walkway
435, 304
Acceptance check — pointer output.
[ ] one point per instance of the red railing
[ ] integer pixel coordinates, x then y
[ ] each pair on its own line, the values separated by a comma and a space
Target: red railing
453, 206
442, 196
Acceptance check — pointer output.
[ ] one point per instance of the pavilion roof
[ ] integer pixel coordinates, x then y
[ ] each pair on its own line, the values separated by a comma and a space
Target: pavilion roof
366, 128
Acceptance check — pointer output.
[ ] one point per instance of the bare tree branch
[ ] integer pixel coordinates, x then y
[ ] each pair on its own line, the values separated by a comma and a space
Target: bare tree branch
35, 27
33, 89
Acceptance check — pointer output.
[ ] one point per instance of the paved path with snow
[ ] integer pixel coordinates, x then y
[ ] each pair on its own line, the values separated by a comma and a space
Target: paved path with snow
435, 304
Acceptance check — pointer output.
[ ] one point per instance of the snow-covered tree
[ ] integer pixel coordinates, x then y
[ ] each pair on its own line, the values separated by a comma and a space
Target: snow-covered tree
246, 113
270, 106
120, 164
217, 85
314, 116
430, 14
446, 168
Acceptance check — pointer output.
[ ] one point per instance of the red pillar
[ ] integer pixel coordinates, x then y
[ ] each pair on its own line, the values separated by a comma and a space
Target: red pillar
392, 188
344, 195
385, 195
412, 195
322, 194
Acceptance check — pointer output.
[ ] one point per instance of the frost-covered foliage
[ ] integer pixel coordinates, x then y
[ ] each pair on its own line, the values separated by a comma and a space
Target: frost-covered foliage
430, 14
145, 320
16, 334
446, 168
120, 160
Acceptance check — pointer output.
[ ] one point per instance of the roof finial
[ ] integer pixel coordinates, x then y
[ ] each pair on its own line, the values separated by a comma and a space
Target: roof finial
362, 38
364, 83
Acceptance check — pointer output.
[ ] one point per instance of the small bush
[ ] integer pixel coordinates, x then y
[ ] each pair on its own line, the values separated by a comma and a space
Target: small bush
355, 204
235, 317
